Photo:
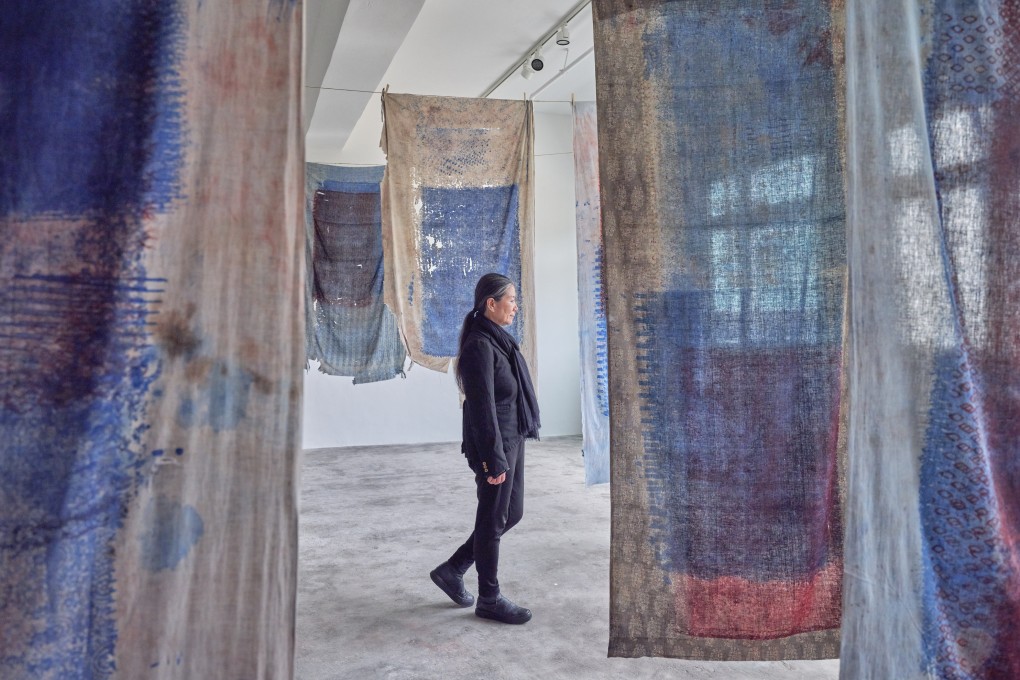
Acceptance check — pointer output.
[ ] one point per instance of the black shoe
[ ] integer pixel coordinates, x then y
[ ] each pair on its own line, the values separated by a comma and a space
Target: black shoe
452, 583
502, 610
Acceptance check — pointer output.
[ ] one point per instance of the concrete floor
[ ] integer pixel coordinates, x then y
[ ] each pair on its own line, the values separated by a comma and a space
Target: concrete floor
376, 520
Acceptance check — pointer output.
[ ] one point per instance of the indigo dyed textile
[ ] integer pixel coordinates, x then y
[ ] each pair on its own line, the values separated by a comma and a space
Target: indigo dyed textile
724, 229
350, 331
151, 338
591, 297
933, 521
458, 202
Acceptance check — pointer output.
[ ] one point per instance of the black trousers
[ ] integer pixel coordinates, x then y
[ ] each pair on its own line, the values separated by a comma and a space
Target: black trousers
500, 507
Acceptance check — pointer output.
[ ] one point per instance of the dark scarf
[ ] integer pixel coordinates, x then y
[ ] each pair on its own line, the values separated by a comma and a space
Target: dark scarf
527, 404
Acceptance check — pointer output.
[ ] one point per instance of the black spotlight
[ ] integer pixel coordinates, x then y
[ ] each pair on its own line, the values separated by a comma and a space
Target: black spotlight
536, 61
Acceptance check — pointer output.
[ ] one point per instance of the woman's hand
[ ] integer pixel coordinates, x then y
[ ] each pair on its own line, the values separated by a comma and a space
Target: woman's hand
496, 480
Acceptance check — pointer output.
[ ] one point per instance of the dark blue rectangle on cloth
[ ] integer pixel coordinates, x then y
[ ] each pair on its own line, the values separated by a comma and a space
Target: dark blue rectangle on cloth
732, 436
465, 233
97, 123
347, 263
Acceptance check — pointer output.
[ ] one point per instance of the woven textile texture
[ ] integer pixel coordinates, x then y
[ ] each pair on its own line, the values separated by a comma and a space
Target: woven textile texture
151, 338
724, 229
458, 202
350, 329
591, 297
933, 525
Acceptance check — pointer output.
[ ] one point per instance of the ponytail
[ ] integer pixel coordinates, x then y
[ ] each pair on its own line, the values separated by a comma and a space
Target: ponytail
465, 330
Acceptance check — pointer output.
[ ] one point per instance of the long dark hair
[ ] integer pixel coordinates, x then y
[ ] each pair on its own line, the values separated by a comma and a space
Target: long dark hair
493, 286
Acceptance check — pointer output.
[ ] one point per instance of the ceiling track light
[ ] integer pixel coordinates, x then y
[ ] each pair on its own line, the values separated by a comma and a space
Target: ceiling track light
558, 31
536, 61
527, 71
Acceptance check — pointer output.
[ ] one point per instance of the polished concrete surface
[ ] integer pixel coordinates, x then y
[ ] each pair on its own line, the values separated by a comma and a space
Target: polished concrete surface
376, 520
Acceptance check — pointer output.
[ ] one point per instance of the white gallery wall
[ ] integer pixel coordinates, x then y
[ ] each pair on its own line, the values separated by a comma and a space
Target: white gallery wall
424, 406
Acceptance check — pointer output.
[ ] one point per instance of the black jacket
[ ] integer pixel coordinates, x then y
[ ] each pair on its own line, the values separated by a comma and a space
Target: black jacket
490, 404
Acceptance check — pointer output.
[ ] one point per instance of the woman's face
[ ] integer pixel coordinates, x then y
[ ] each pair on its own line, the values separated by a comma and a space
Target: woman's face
502, 311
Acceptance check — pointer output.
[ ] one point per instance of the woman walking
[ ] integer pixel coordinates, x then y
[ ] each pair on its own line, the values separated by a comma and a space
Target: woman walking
500, 412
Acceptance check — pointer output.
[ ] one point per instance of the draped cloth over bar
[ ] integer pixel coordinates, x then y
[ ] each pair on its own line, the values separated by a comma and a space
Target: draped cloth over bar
933, 521
151, 338
591, 297
458, 202
724, 228
350, 329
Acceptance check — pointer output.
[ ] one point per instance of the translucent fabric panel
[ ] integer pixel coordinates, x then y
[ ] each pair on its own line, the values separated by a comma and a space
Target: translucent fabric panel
591, 303
933, 530
724, 226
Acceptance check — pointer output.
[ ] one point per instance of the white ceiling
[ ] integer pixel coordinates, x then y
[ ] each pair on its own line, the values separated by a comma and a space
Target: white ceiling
441, 47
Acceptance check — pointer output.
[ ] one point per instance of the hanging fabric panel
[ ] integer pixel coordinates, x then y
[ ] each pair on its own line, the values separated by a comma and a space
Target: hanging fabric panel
933, 527
350, 330
724, 229
591, 297
151, 338
458, 202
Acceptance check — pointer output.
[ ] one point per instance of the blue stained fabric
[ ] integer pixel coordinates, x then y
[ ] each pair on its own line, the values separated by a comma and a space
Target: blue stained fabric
970, 466
933, 529
172, 531
123, 134
149, 338
70, 458
471, 229
458, 202
86, 84
601, 339
350, 331
591, 307
714, 401
961, 520
724, 237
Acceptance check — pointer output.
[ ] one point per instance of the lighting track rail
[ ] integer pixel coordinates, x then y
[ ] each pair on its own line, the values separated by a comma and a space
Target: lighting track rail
539, 43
